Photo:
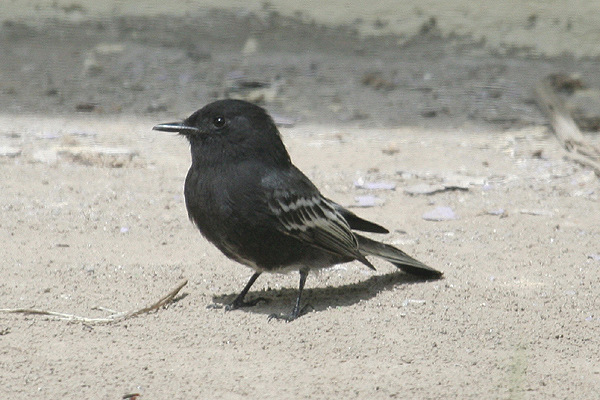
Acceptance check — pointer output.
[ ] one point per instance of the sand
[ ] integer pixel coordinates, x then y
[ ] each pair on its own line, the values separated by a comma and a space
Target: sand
93, 220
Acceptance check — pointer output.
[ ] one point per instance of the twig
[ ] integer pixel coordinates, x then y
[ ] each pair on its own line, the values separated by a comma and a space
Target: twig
112, 318
574, 144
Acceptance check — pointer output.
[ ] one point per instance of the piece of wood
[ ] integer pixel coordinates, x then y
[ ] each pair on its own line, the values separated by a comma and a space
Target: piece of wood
576, 147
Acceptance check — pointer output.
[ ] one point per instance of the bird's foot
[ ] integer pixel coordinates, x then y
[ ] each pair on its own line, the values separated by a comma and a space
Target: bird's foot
295, 314
242, 304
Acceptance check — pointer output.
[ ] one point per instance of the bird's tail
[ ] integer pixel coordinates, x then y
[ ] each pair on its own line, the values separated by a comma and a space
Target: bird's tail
397, 257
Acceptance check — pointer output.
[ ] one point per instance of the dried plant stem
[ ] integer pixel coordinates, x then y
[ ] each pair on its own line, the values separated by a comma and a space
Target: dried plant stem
119, 316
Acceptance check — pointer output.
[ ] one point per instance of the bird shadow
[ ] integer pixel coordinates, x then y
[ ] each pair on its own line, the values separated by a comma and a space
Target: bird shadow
319, 299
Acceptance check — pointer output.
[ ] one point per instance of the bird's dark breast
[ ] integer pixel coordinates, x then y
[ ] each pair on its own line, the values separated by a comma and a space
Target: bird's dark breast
207, 206
239, 223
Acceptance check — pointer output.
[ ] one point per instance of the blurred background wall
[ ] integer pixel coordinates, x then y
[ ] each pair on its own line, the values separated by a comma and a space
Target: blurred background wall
547, 27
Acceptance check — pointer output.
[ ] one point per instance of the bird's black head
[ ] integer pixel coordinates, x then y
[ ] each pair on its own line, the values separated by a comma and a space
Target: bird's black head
228, 131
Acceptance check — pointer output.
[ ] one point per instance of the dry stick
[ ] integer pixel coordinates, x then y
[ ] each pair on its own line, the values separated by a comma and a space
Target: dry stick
566, 131
112, 318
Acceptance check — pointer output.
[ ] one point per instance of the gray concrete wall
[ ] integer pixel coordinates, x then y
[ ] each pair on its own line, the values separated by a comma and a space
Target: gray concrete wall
548, 27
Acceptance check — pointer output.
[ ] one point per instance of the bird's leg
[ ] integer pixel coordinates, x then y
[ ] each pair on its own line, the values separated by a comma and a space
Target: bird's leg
239, 300
297, 311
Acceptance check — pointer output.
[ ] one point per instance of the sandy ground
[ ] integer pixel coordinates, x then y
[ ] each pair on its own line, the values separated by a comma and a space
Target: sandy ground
93, 216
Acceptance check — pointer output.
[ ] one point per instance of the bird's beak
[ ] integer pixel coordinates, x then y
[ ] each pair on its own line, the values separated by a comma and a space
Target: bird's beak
174, 127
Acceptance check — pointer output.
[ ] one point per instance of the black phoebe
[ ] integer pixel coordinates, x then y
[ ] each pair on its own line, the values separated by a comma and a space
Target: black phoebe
248, 199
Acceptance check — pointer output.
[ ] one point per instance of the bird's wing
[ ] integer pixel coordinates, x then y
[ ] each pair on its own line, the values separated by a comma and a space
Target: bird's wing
358, 223
302, 212
314, 220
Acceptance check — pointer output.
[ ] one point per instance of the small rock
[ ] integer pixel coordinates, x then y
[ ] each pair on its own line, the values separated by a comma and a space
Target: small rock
9, 151
501, 212
595, 256
464, 181
89, 269
368, 201
415, 302
440, 214
360, 184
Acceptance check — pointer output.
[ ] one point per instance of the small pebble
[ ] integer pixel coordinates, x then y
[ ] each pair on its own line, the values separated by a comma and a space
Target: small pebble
368, 201
595, 256
360, 184
440, 214
8, 151
408, 302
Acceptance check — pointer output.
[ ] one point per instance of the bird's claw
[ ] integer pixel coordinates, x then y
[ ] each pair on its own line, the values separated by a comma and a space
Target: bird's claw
290, 317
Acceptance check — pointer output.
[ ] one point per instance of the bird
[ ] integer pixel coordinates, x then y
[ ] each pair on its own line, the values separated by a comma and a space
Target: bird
246, 197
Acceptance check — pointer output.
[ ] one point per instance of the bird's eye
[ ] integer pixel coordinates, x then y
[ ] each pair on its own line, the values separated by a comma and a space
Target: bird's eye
218, 122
